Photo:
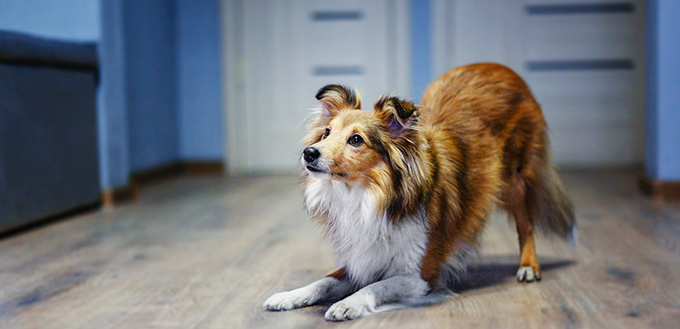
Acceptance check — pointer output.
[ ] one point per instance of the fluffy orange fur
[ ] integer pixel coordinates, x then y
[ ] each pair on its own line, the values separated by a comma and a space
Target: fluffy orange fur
477, 139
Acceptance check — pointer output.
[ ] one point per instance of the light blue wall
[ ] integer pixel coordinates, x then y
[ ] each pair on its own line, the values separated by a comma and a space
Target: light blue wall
112, 113
421, 47
151, 73
76, 20
169, 80
200, 87
663, 90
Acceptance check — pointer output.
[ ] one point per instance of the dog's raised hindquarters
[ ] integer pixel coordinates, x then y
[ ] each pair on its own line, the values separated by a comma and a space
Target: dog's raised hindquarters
403, 188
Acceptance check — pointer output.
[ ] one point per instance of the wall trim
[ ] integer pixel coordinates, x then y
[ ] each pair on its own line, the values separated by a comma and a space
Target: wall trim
441, 48
112, 197
121, 195
660, 190
172, 170
232, 77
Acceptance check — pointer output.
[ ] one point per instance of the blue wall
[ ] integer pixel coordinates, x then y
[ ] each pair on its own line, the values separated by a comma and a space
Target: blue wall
662, 160
199, 78
161, 87
112, 113
151, 87
173, 85
421, 46
76, 20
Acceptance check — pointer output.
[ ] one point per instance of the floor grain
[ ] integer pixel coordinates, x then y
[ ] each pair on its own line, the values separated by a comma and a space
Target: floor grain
206, 252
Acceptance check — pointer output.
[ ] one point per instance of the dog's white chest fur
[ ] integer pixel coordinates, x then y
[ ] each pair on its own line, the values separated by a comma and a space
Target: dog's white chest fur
368, 245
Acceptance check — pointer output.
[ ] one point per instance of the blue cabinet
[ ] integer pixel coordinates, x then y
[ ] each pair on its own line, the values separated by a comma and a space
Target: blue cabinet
48, 128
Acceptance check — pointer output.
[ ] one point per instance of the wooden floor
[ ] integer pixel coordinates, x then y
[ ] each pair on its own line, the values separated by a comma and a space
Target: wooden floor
206, 253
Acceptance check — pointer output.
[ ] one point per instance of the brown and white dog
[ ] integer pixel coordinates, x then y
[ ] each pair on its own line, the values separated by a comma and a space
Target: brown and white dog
402, 189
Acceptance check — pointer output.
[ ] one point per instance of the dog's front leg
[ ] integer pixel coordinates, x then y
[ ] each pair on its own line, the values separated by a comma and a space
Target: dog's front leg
395, 291
326, 289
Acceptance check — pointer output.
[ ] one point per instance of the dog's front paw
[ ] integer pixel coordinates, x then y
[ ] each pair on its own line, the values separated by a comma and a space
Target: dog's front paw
287, 300
349, 309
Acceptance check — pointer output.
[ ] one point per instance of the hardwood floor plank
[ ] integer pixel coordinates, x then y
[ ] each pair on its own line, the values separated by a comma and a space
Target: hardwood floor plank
205, 252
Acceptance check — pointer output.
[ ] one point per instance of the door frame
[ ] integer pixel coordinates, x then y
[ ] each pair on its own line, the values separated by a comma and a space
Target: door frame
234, 75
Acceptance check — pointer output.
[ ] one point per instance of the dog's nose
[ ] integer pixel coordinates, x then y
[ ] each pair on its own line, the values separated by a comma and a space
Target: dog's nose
310, 154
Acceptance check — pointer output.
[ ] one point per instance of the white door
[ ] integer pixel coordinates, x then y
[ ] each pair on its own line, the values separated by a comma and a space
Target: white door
583, 59
279, 53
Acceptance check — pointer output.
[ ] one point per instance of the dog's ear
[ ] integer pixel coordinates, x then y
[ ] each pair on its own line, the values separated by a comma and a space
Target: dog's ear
397, 115
335, 98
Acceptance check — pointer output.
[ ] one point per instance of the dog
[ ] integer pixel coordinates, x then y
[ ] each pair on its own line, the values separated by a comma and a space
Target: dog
404, 189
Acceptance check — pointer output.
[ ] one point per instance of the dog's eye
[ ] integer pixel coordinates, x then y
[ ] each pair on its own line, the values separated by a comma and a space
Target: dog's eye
326, 133
355, 140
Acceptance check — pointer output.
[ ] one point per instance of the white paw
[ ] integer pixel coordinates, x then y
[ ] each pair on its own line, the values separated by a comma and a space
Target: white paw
526, 273
350, 308
287, 300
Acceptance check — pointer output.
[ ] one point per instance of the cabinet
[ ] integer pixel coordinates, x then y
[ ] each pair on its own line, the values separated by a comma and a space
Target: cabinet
48, 128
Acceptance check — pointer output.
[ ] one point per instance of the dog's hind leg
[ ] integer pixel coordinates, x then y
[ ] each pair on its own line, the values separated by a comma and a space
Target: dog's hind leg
529, 270
517, 202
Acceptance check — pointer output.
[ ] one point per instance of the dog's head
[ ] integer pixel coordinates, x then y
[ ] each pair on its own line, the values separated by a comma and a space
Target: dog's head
351, 145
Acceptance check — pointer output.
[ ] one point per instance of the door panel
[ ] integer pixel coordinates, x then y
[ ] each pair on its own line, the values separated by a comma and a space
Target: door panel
583, 60
580, 36
287, 51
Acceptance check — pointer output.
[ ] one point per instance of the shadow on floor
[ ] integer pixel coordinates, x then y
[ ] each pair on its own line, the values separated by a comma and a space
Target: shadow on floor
493, 270
488, 271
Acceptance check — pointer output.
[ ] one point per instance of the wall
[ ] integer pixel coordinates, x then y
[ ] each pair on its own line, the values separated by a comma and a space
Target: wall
421, 47
112, 113
160, 66
165, 105
200, 88
76, 20
151, 83
662, 160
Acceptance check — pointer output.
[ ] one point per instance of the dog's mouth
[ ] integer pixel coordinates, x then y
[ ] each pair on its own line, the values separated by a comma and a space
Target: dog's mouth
319, 171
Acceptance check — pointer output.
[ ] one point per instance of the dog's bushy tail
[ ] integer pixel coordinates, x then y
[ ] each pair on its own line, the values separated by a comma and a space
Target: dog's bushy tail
550, 207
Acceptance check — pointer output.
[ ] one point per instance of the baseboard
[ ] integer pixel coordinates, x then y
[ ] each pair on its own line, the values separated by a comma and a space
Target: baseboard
204, 168
660, 190
156, 174
119, 195
164, 172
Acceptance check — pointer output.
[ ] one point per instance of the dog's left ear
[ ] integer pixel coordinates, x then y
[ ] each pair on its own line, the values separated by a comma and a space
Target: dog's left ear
397, 115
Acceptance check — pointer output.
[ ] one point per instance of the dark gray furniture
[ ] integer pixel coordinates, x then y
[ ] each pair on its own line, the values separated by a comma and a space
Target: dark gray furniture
48, 128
